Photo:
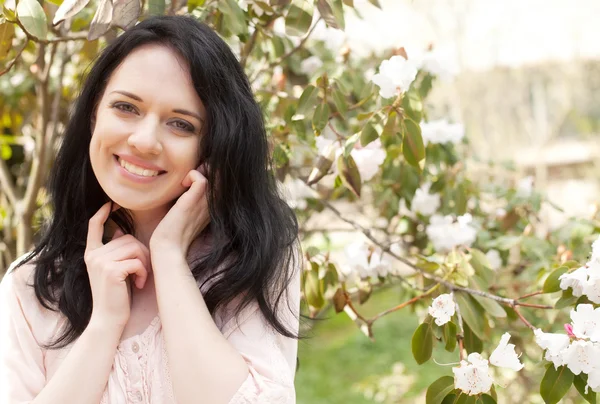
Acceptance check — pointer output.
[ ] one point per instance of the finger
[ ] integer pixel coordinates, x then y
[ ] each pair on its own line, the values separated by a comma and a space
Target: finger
135, 268
128, 250
191, 177
96, 227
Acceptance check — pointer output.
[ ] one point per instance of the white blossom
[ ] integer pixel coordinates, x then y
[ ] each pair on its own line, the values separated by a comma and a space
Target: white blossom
494, 259
358, 264
593, 380
575, 280
395, 76
310, 65
586, 322
554, 344
473, 376
424, 202
368, 159
445, 233
586, 279
442, 308
442, 131
505, 356
525, 187
581, 356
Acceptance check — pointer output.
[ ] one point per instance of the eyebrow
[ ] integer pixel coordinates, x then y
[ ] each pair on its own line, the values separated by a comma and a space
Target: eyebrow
178, 110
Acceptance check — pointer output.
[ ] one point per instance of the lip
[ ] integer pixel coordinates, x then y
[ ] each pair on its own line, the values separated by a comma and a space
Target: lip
140, 163
134, 177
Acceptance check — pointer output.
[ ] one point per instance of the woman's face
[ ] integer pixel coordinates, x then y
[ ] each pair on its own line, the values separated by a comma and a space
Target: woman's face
147, 130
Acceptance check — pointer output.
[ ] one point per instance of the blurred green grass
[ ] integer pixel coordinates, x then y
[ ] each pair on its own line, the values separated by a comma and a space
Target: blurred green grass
338, 355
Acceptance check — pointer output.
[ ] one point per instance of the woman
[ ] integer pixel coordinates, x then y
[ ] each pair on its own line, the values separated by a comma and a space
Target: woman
163, 178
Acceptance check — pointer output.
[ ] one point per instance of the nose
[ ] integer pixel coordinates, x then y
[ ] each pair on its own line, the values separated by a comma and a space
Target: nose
146, 137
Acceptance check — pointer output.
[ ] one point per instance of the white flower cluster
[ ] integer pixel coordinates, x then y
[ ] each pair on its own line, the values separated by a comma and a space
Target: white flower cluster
580, 349
442, 131
296, 192
473, 375
442, 308
358, 264
424, 202
367, 159
445, 233
585, 281
395, 76
310, 65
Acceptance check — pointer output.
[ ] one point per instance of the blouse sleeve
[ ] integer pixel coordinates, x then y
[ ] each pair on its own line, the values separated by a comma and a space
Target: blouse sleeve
271, 357
22, 373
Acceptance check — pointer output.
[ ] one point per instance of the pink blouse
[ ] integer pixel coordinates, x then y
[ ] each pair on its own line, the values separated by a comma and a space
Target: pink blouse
140, 372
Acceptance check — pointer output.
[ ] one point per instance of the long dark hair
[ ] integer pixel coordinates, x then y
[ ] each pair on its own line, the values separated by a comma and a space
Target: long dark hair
254, 233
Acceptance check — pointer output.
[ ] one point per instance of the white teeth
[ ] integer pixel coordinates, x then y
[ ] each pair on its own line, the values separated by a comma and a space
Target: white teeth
137, 170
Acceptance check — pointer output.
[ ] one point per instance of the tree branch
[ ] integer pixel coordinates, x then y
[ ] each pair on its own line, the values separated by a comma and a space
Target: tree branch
12, 62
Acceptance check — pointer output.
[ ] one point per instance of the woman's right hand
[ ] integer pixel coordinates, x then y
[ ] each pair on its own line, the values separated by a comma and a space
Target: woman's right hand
109, 266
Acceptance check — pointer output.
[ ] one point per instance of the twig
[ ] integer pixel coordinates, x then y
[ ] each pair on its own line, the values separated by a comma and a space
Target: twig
287, 54
78, 36
460, 336
523, 319
539, 292
12, 62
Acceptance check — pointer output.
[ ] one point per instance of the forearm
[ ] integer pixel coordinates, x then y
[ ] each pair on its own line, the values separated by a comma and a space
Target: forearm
82, 376
203, 364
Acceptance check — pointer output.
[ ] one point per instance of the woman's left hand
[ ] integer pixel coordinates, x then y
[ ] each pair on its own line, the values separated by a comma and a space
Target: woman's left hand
186, 219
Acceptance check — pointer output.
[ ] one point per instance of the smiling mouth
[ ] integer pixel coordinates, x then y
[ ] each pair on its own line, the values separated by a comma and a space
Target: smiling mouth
136, 170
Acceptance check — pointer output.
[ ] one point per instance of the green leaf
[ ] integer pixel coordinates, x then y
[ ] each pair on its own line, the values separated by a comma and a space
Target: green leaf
555, 384
338, 13
125, 13
485, 399
68, 9
450, 331
321, 117
313, 287
331, 16
349, 3
567, 299
349, 174
413, 106
7, 33
233, 16
422, 343
490, 306
481, 266
580, 381
298, 18
439, 389
193, 4
552, 284
340, 102
101, 22
32, 16
368, 134
307, 100
350, 142
465, 399
472, 313
412, 143
156, 7
375, 3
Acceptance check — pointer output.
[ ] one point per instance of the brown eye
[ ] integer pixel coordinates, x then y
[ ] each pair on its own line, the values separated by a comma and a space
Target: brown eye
123, 106
184, 126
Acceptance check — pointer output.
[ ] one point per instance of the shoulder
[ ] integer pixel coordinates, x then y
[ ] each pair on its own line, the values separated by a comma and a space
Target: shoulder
15, 279
18, 298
